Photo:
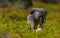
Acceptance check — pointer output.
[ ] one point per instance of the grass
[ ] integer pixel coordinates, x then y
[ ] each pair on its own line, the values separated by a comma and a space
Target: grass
13, 24
51, 7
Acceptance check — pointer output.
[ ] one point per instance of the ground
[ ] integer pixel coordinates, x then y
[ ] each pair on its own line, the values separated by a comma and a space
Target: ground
13, 24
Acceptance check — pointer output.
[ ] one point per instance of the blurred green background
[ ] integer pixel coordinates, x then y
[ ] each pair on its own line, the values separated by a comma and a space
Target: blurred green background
13, 22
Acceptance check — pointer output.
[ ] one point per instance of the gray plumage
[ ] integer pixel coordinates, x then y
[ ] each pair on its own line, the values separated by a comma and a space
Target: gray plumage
36, 14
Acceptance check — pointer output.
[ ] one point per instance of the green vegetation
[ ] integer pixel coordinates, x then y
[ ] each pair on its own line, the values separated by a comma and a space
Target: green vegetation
14, 24
55, 7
